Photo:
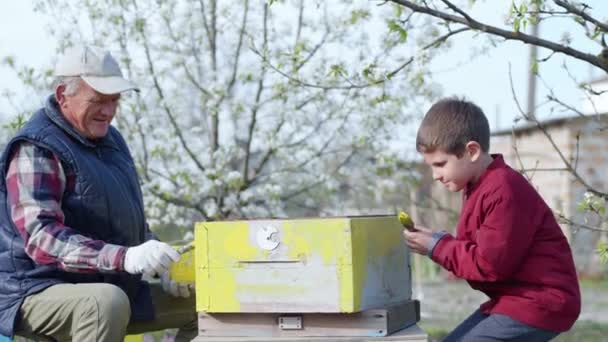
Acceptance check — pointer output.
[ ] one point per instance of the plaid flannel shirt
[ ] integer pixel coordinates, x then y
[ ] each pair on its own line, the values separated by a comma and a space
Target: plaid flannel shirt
36, 181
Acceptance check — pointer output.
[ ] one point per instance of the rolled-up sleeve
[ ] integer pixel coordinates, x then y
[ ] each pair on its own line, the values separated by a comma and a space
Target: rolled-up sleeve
36, 182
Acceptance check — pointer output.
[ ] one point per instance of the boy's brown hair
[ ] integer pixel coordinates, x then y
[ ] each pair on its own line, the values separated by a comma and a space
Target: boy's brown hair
450, 124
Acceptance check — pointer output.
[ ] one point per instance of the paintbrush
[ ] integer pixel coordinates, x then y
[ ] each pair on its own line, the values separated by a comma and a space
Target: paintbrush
186, 248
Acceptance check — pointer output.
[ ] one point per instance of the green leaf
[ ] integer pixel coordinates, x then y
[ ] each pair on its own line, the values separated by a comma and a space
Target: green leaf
535, 68
358, 15
596, 32
140, 24
336, 70
523, 8
368, 72
9, 61
516, 24
602, 250
395, 27
579, 20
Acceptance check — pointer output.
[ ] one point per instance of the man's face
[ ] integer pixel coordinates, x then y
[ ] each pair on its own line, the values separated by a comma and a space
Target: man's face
453, 172
88, 111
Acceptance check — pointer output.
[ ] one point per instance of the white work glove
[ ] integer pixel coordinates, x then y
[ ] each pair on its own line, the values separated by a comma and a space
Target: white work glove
151, 257
174, 288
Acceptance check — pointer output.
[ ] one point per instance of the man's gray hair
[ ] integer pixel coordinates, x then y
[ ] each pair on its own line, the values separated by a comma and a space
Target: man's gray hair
72, 84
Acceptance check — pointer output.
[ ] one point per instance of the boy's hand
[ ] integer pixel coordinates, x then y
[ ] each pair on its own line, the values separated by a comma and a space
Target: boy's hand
419, 240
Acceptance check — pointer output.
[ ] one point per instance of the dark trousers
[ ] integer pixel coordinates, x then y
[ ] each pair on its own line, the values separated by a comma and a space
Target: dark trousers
480, 327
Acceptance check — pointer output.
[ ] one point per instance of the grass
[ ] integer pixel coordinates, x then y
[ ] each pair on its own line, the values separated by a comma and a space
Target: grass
597, 284
585, 331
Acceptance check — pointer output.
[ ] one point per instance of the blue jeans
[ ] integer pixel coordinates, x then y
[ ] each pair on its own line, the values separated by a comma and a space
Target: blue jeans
480, 327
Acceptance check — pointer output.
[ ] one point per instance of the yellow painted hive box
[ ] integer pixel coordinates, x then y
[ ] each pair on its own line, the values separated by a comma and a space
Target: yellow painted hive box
333, 265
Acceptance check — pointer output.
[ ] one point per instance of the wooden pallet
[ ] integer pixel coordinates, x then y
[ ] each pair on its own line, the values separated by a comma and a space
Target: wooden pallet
410, 334
368, 323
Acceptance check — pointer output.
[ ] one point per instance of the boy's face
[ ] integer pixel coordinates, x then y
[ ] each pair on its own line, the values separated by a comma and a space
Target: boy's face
453, 172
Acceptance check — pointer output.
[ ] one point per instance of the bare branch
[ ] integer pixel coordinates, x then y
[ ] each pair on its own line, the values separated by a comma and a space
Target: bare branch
509, 35
189, 74
207, 29
587, 95
317, 46
300, 20
194, 82
564, 219
458, 10
320, 181
258, 95
578, 149
138, 99
571, 8
313, 52
545, 132
179, 202
333, 87
237, 53
166, 108
165, 177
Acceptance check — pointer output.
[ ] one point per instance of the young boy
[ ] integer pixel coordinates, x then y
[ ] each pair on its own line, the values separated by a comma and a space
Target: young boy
507, 245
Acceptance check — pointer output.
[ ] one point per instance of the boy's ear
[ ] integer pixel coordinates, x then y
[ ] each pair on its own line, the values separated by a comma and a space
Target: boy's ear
473, 150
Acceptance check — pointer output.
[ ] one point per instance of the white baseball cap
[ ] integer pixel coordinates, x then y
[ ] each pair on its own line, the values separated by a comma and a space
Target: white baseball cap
96, 67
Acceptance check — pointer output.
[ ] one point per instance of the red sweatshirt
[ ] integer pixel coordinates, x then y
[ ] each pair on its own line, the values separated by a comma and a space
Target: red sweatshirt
509, 246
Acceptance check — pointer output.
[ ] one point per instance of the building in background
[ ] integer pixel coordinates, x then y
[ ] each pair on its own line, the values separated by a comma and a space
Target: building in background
583, 142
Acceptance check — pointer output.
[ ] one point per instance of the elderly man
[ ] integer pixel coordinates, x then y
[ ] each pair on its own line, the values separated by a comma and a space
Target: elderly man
74, 242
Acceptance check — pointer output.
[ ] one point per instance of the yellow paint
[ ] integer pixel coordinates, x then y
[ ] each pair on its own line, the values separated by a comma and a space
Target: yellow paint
305, 238
134, 338
222, 291
235, 245
232, 270
347, 292
359, 269
220, 251
201, 260
184, 270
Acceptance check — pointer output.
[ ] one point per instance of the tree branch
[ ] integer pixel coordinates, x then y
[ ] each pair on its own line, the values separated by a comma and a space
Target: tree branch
315, 184
571, 8
509, 35
258, 95
179, 202
543, 129
566, 220
164, 105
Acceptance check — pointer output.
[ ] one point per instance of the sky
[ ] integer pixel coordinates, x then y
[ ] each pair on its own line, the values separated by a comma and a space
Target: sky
23, 35
480, 76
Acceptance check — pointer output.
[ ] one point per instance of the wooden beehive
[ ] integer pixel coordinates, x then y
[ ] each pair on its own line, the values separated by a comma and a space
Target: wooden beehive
324, 265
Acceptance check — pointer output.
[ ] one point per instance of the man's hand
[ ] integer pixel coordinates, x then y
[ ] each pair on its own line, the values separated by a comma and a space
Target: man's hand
151, 257
174, 288
419, 240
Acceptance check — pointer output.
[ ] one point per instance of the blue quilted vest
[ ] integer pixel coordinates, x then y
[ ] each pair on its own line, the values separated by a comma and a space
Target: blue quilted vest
106, 204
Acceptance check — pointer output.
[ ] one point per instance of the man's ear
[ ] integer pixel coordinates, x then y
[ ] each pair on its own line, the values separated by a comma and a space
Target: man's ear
59, 95
473, 150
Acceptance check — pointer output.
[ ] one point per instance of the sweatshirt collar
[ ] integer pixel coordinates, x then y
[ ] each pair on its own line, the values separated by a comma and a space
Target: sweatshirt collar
498, 162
